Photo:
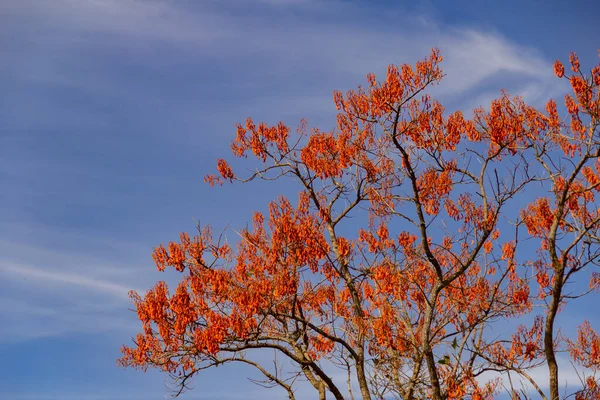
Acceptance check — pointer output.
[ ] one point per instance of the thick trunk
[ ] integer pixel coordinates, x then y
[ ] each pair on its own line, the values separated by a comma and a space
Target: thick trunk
436, 390
362, 379
549, 337
357, 305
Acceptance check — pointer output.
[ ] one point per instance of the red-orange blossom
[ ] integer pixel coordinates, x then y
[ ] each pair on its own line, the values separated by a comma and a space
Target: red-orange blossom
406, 302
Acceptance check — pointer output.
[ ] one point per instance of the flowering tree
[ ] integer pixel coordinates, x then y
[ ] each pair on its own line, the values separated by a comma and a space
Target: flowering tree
416, 236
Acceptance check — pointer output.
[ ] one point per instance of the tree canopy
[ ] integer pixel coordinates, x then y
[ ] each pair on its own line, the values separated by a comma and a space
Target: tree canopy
427, 255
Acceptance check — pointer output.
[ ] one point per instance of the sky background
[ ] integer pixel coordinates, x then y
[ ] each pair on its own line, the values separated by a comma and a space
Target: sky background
112, 111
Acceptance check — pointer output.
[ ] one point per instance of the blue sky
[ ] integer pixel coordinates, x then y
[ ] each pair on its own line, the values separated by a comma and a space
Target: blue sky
112, 111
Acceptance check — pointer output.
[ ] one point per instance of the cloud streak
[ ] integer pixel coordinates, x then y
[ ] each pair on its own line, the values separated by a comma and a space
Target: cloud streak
57, 291
55, 277
324, 50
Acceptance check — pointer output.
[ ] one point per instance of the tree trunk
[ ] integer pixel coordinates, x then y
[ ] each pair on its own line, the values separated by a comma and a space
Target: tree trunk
549, 337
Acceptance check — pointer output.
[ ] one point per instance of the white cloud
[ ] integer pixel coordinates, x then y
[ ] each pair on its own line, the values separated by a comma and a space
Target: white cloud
56, 291
69, 279
73, 396
475, 56
328, 47
38, 303
151, 19
569, 378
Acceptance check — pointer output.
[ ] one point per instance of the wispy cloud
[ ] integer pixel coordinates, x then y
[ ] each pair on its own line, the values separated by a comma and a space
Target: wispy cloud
58, 291
322, 50
56, 277
214, 394
149, 19
72, 396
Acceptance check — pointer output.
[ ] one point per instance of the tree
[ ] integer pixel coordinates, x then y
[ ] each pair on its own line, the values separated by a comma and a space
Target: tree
416, 239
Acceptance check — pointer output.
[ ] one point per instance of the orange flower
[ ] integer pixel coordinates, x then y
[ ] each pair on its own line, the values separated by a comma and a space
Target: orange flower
559, 69
574, 60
